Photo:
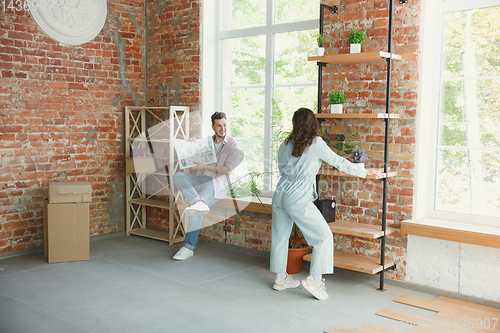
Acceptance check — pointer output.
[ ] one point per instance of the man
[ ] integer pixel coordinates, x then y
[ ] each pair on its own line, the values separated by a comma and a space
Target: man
208, 186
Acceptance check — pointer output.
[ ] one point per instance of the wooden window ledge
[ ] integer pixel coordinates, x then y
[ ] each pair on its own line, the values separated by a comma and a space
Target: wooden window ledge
250, 204
454, 231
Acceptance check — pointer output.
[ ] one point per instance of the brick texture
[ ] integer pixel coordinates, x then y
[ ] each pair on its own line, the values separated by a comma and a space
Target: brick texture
61, 113
62, 107
174, 52
361, 200
358, 200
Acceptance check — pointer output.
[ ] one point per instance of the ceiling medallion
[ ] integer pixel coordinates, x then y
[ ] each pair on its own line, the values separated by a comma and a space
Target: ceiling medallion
71, 22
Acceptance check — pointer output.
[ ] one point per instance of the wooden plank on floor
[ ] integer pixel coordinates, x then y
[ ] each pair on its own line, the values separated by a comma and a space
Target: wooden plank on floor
418, 321
463, 309
419, 303
363, 328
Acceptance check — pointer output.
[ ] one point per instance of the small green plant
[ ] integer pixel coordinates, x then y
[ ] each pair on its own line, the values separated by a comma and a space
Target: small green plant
246, 186
356, 37
321, 40
337, 97
343, 146
296, 240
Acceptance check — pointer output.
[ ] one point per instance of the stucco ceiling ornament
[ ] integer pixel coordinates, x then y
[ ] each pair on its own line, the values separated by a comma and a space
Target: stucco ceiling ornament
71, 22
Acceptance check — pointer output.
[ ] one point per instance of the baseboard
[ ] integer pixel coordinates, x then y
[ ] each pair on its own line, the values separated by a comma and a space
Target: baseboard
40, 248
421, 288
235, 248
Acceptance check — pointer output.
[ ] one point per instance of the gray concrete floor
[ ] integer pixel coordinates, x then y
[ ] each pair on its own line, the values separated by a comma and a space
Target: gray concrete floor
131, 284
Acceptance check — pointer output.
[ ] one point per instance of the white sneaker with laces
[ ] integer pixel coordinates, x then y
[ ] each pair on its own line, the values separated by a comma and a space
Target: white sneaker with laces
198, 208
183, 254
317, 289
286, 283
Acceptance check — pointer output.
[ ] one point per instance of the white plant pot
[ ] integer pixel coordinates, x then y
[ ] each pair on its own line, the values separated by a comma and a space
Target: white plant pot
336, 108
355, 48
320, 51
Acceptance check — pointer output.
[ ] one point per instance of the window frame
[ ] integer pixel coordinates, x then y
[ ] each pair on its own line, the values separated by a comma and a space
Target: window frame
212, 37
428, 119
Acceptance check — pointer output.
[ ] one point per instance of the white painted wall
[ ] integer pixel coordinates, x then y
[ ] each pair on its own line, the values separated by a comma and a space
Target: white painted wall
463, 268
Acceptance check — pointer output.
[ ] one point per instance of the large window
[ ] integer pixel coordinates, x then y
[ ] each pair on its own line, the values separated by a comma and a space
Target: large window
465, 98
262, 73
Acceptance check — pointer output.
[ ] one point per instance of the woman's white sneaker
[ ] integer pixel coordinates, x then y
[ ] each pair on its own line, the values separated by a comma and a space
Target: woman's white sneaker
286, 283
317, 289
183, 254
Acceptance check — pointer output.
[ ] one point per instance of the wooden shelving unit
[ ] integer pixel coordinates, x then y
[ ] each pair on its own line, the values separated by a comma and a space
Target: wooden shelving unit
356, 115
329, 171
350, 261
359, 229
357, 262
150, 160
355, 58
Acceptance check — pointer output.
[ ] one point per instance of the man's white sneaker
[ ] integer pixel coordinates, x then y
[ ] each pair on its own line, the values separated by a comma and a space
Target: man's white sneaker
198, 208
183, 254
286, 283
317, 289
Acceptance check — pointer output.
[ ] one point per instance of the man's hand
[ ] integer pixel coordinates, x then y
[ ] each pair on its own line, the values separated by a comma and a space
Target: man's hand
199, 166
193, 139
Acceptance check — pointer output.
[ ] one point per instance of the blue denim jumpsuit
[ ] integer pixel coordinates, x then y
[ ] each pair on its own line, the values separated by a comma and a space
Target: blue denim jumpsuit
293, 202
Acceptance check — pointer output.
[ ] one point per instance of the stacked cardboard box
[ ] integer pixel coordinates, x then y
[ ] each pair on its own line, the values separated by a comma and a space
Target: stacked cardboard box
66, 221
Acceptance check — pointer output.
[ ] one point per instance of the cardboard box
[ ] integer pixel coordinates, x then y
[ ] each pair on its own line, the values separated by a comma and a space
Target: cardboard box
66, 232
145, 165
64, 192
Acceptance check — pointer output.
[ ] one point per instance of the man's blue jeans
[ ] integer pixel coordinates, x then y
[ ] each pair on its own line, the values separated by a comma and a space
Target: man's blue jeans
195, 188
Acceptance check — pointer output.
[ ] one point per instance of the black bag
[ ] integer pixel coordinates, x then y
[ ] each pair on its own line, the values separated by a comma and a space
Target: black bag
326, 209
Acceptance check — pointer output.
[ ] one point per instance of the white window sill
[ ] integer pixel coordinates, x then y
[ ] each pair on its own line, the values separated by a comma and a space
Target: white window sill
455, 231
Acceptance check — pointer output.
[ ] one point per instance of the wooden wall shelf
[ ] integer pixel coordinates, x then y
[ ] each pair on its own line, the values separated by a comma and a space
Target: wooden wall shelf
356, 115
357, 262
329, 171
359, 229
355, 58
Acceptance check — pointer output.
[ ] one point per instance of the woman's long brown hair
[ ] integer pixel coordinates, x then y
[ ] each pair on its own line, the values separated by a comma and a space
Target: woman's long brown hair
305, 129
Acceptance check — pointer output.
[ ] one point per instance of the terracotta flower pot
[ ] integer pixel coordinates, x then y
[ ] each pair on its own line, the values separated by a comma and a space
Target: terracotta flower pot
295, 260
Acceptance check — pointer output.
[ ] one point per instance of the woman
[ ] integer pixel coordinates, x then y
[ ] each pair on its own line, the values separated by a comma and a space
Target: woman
299, 159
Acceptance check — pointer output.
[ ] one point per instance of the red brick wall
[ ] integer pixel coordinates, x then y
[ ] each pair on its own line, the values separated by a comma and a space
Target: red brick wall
174, 51
61, 111
173, 66
364, 84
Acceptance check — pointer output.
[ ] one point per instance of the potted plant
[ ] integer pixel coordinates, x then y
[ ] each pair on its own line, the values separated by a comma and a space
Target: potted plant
343, 146
320, 50
297, 246
359, 156
336, 98
356, 38
297, 249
